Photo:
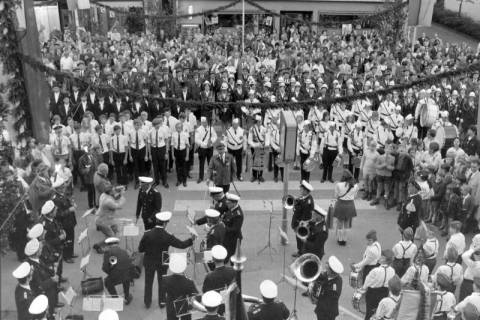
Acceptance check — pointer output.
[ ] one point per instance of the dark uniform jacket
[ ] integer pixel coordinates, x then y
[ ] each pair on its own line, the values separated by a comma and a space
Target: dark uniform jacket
119, 272
302, 210
330, 291
212, 317
157, 241
472, 146
220, 206
52, 233
64, 216
316, 241
216, 235
221, 172
268, 311
177, 287
149, 203
233, 220
218, 279
23, 298
41, 277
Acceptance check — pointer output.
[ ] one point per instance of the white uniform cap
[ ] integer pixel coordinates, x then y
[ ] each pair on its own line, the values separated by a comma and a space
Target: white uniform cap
268, 289
145, 179
335, 82
391, 83
267, 84
108, 314
281, 84
306, 122
39, 305
324, 86
410, 207
58, 182
368, 83
224, 86
219, 252
320, 210
112, 240
36, 231
211, 299
164, 216
429, 91
22, 271
236, 120
273, 98
297, 84
335, 265
398, 108
306, 185
177, 263
358, 124
311, 86
212, 213
215, 189
258, 118
239, 81
251, 91
308, 81
409, 117
232, 197
203, 119
32, 247
472, 94
445, 114
331, 123
376, 84
455, 93
48, 207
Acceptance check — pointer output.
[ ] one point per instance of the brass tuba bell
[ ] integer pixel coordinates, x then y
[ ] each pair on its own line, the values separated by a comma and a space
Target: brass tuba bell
288, 201
303, 230
307, 267
113, 260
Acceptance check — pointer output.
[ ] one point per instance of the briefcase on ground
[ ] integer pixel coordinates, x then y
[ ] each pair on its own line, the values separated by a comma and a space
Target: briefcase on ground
91, 286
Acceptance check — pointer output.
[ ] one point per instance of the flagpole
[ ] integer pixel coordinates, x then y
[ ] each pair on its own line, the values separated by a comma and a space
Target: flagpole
243, 26
238, 260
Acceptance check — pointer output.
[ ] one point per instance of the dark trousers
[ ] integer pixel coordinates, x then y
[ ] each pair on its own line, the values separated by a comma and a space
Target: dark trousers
256, 173
351, 168
237, 155
373, 296
191, 153
91, 195
138, 157
159, 164
69, 242
75, 172
272, 164
304, 175
170, 159
180, 164
110, 285
120, 168
150, 271
328, 158
106, 160
203, 154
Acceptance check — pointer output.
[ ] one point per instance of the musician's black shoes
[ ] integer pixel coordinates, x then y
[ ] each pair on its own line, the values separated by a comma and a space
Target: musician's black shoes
184, 183
148, 305
128, 299
252, 179
199, 180
275, 179
261, 179
69, 260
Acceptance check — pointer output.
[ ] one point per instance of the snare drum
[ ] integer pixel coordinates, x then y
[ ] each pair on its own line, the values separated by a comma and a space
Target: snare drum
355, 279
358, 301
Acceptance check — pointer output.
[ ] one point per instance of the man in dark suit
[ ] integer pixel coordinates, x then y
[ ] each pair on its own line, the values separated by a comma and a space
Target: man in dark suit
56, 97
103, 107
196, 86
80, 109
138, 107
302, 211
64, 110
149, 202
221, 169
222, 276
470, 144
118, 107
92, 100
117, 265
177, 287
155, 244
23, 293
76, 94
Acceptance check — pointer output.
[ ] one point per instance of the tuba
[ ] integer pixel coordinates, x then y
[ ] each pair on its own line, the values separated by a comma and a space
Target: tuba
303, 230
307, 267
288, 201
113, 260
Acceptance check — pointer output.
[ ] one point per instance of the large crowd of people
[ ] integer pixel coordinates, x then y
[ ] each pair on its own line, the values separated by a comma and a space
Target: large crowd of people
141, 107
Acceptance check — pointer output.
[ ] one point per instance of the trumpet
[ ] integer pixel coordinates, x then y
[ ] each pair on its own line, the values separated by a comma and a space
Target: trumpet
289, 201
113, 260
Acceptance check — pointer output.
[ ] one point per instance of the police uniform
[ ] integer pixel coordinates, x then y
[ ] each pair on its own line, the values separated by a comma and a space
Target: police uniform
177, 287
155, 244
148, 204
67, 220
315, 242
205, 136
42, 282
274, 310
119, 273
302, 211
23, 298
235, 144
233, 221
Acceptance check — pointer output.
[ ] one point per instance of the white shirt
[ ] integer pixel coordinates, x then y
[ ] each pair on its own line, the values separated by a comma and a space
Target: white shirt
307, 143
474, 299
473, 267
58, 143
371, 256
378, 277
204, 135
119, 143
332, 141
457, 241
273, 138
85, 139
341, 189
445, 301
235, 139
412, 270
184, 137
102, 140
386, 307
257, 136
452, 270
158, 136
431, 247
142, 139
404, 250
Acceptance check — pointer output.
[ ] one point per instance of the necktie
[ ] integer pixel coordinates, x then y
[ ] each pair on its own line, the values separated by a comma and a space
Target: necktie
100, 141
123, 131
60, 146
78, 141
156, 138
179, 141
168, 123
118, 144
136, 140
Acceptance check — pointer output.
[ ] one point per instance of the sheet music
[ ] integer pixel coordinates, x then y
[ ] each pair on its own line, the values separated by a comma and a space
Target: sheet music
114, 303
192, 231
84, 262
68, 295
82, 235
92, 303
88, 212
207, 256
191, 215
131, 231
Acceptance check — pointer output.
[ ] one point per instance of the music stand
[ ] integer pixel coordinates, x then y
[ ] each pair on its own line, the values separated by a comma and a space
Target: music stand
284, 244
269, 241
182, 307
293, 315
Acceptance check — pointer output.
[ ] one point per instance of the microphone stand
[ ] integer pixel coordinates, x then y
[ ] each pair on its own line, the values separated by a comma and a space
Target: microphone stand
269, 242
293, 315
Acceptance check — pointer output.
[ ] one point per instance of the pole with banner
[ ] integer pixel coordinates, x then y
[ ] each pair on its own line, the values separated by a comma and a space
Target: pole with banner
419, 14
243, 27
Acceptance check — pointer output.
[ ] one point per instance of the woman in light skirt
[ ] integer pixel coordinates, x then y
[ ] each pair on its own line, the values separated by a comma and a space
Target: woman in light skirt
344, 209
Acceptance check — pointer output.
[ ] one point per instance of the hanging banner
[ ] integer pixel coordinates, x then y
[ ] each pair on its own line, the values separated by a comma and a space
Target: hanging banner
268, 21
215, 20
420, 12
111, 14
